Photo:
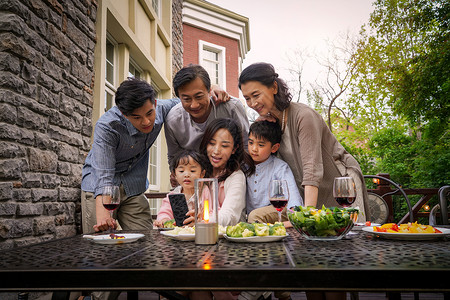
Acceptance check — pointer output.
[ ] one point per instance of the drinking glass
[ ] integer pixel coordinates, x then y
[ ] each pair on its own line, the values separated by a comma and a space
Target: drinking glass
344, 191
278, 195
110, 199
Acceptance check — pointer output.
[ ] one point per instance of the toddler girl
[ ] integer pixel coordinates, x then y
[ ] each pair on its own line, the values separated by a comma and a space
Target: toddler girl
186, 165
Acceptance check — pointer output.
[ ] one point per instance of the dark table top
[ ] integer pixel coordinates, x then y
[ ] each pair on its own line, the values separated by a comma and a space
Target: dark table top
360, 262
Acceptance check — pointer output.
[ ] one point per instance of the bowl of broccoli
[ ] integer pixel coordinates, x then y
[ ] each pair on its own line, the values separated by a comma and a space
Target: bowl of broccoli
331, 223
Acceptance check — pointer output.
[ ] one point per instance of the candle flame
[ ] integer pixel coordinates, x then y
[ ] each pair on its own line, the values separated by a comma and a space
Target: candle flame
206, 211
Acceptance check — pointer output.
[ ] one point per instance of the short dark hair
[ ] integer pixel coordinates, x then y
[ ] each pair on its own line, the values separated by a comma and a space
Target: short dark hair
182, 157
270, 131
132, 94
189, 74
266, 75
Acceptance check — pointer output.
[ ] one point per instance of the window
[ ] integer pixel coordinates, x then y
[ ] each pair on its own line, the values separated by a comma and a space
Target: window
134, 70
212, 58
156, 4
154, 164
110, 72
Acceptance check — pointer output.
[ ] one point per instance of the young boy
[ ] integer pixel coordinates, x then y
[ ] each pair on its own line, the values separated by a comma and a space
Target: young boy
263, 142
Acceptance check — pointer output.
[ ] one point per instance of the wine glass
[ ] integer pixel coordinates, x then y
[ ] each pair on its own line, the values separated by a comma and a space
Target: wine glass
278, 195
344, 191
110, 199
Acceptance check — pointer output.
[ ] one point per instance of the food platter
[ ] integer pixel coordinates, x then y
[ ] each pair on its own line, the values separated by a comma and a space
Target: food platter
107, 240
408, 236
256, 239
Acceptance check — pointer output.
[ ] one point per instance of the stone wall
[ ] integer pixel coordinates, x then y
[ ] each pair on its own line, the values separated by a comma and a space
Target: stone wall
177, 35
46, 81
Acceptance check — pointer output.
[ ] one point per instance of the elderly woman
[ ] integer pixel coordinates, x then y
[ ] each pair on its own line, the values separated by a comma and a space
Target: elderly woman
308, 146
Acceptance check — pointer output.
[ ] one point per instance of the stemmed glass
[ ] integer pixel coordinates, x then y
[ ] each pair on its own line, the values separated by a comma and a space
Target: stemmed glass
344, 191
111, 199
279, 195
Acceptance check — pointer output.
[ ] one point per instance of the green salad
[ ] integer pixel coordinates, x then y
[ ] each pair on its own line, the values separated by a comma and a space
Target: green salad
243, 229
322, 222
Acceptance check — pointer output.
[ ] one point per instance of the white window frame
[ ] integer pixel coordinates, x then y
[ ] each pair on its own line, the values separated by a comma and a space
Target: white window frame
136, 67
221, 51
155, 186
110, 86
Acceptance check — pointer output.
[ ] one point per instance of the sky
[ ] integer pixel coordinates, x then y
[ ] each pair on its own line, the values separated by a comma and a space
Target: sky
278, 28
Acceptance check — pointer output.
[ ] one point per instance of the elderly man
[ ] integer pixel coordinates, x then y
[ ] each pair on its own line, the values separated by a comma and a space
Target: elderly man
187, 121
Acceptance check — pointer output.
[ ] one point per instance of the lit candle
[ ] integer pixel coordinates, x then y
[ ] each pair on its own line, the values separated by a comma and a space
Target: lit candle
206, 211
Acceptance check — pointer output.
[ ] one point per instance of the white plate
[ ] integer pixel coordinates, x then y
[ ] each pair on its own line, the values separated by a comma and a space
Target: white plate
106, 239
256, 239
179, 237
409, 236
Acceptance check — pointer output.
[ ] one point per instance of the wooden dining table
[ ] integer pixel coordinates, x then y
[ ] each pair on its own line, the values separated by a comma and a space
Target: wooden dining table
359, 262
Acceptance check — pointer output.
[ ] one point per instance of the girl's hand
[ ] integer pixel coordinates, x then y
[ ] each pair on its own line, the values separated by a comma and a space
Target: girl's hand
190, 221
158, 223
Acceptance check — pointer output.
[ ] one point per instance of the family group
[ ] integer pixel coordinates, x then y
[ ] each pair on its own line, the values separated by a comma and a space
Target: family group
208, 135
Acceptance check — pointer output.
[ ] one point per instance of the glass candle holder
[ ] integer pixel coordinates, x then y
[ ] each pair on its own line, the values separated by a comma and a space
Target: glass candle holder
206, 211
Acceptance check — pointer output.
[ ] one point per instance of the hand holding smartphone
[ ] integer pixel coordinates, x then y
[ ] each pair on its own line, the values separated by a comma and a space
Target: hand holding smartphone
179, 208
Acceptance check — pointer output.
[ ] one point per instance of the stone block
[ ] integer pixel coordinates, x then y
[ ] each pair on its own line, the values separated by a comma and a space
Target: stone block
29, 73
64, 168
11, 168
50, 181
54, 208
44, 225
42, 161
8, 209
64, 135
68, 153
8, 113
9, 62
65, 231
11, 150
29, 209
39, 8
30, 180
44, 142
15, 228
22, 195
32, 120
33, 39
10, 81
67, 194
12, 23
14, 44
41, 195
6, 189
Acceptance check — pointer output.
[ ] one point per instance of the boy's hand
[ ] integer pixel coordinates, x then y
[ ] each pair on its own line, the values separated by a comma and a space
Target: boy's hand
218, 94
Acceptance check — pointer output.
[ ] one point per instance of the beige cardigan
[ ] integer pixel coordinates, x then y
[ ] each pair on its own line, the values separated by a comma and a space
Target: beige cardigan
316, 157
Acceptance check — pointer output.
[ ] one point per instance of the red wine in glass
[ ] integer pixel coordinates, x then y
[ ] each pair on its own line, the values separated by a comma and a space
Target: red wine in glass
278, 203
278, 195
110, 199
345, 201
111, 206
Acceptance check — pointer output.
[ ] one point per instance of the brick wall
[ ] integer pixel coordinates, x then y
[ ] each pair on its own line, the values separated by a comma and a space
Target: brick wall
46, 81
191, 36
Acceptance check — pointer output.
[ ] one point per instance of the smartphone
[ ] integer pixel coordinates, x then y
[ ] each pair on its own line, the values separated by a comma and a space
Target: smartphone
179, 208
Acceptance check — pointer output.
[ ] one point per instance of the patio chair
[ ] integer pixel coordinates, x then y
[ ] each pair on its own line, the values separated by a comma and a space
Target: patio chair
378, 206
444, 194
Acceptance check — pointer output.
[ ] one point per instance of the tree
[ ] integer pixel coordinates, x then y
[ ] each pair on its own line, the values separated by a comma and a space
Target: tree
404, 56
